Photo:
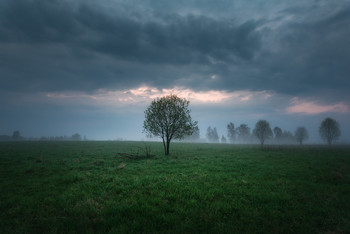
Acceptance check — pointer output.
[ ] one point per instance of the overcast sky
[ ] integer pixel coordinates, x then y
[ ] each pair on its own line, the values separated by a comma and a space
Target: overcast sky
93, 67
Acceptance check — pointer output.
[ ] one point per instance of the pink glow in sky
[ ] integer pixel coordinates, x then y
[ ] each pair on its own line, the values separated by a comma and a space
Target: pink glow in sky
312, 108
145, 94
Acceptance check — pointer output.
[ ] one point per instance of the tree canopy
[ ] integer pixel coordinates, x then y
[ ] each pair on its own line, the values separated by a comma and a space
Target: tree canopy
231, 132
212, 134
329, 130
243, 132
169, 117
278, 133
301, 134
262, 131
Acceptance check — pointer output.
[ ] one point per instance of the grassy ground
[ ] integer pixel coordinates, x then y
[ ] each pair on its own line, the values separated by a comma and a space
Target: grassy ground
66, 187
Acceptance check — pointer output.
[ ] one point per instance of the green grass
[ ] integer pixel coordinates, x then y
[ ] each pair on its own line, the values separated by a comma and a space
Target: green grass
85, 187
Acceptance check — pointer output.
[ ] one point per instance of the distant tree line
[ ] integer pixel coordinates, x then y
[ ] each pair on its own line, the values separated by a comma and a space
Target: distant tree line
244, 134
16, 136
74, 137
329, 131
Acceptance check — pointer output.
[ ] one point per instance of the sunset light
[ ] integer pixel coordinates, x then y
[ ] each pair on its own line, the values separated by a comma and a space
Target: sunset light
165, 116
312, 108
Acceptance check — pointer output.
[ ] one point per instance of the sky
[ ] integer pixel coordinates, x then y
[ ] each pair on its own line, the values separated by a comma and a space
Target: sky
93, 67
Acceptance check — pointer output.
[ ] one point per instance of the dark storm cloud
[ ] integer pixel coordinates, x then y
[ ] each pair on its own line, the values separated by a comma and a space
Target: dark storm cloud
53, 45
298, 57
36, 22
313, 56
180, 40
297, 48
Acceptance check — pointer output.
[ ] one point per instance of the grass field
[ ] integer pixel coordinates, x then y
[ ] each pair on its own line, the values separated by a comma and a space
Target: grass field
69, 187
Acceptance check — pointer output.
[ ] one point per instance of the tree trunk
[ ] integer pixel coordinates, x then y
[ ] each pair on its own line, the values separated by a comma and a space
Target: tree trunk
167, 147
262, 143
329, 141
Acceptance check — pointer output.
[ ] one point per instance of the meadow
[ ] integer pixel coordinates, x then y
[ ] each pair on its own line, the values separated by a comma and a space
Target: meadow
87, 187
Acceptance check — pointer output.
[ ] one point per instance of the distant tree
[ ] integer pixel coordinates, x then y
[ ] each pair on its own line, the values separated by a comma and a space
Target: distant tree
223, 139
195, 136
301, 134
329, 130
231, 132
16, 135
212, 134
287, 134
243, 132
209, 133
278, 133
287, 137
76, 137
215, 135
262, 131
169, 118
5, 138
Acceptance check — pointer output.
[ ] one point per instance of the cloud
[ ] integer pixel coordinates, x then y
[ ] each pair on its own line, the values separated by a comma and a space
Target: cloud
61, 45
309, 55
143, 95
166, 39
86, 46
234, 58
312, 107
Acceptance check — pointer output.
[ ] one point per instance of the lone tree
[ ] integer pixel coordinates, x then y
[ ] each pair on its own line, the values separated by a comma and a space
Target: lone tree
329, 130
301, 134
169, 118
262, 131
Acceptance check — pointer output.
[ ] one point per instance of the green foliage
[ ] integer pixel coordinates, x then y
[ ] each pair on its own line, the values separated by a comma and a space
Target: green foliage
169, 118
86, 187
